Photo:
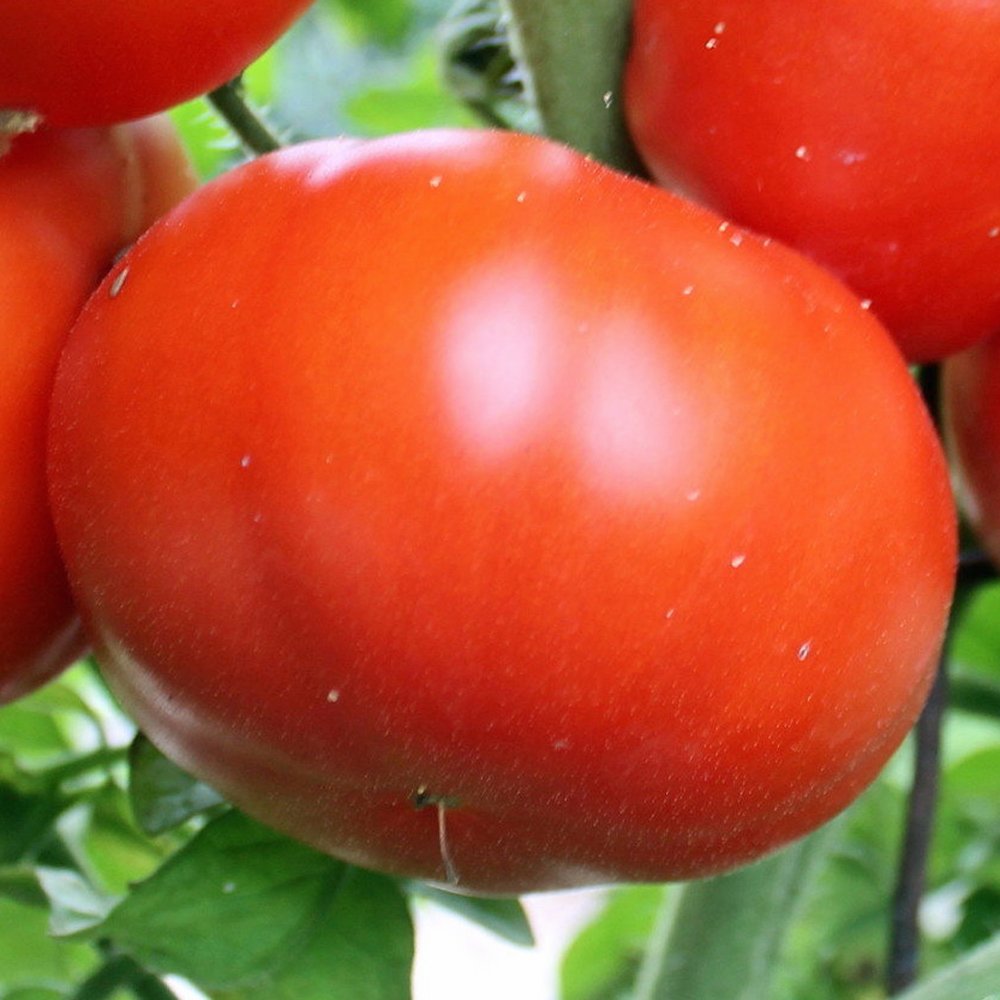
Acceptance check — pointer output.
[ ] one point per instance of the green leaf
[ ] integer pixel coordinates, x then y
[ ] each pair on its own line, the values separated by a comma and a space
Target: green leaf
976, 693
30, 958
384, 21
162, 795
328, 84
605, 957
34, 993
976, 976
504, 917
65, 719
77, 908
968, 821
361, 947
980, 917
31, 734
100, 835
977, 638
250, 915
212, 146
20, 883
28, 822
228, 907
975, 781
410, 101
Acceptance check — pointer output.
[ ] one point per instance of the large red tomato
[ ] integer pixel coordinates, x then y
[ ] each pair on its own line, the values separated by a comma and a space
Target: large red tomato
77, 63
863, 132
68, 201
970, 402
474, 512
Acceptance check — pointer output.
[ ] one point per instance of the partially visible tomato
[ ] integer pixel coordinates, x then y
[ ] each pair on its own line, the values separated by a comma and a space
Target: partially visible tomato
863, 132
68, 202
77, 63
474, 512
970, 404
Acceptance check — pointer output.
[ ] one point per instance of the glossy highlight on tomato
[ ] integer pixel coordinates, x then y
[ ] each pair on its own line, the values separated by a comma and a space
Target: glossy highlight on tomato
473, 512
78, 63
68, 200
862, 133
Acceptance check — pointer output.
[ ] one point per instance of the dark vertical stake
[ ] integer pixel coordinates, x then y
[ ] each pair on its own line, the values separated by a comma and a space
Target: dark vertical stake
904, 944
904, 938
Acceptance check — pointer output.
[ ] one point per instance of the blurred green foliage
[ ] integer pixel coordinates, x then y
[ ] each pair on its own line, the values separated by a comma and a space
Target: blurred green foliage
154, 868
348, 67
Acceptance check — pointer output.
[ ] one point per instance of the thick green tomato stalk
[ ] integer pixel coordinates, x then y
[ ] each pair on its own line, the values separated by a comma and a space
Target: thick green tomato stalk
572, 53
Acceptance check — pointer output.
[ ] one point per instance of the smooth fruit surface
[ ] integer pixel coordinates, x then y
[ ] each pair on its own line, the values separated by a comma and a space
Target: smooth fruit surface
970, 402
97, 63
473, 512
862, 133
68, 201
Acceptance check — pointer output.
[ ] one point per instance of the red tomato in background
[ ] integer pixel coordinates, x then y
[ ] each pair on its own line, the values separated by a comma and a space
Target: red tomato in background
473, 512
863, 132
68, 202
970, 406
96, 63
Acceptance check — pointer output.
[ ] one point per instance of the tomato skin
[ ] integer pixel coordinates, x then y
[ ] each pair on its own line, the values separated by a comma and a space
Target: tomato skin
68, 201
846, 131
970, 407
441, 526
97, 64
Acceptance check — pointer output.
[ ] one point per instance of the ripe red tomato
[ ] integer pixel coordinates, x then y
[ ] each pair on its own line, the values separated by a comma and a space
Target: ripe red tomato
862, 132
68, 201
970, 403
474, 512
97, 63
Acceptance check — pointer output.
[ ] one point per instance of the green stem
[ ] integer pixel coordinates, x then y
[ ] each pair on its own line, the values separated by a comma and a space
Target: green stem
122, 971
99, 760
230, 101
721, 937
572, 53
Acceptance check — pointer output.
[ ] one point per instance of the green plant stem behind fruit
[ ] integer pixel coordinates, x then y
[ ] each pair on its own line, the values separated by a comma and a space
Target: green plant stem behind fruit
721, 937
572, 53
